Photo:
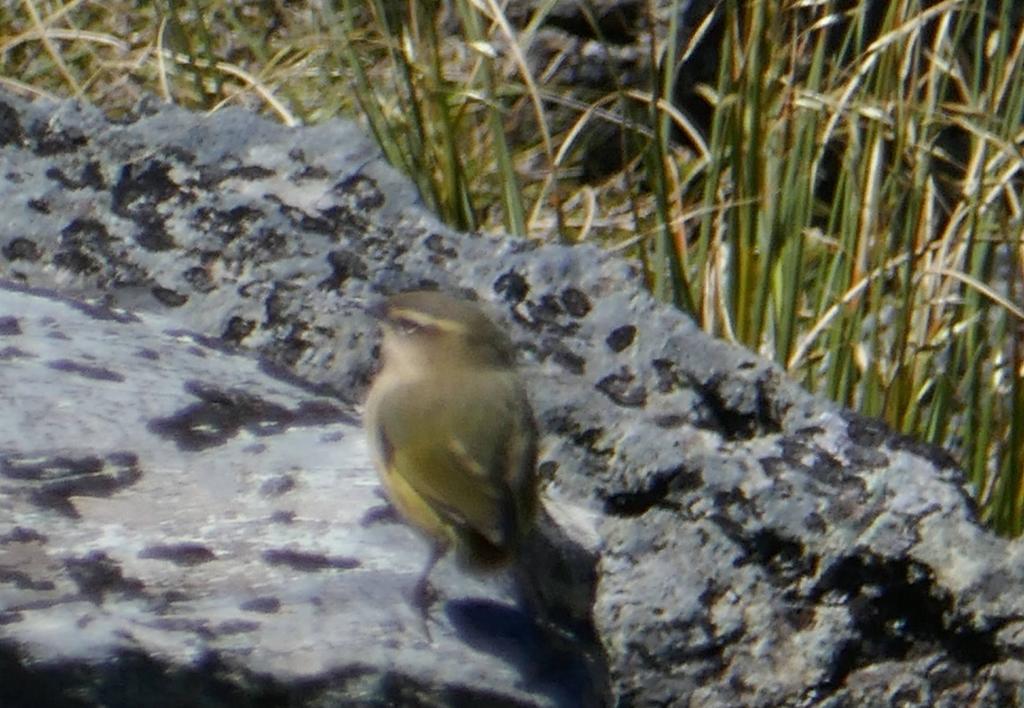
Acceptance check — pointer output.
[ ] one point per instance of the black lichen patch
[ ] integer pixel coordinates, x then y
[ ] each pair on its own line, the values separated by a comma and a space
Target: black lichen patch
865, 457
814, 523
799, 452
21, 249
182, 554
266, 605
251, 173
570, 361
547, 470
50, 141
278, 305
183, 155
168, 297
872, 433
9, 326
344, 266
288, 349
58, 176
512, 287
277, 486
84, 244
563, 424
89, 371
435, 243
199, 278
654, 492
216, 417
727, 501
227, 225
140, 187
97, 575
785, 559
91, 177
77, 262
139, 191
24, 581
667, 375
622, 390
152, 233
20, 534
575, 302
265, 246
307, 562
826, 466
668, 421
39, 205
13, 467
198, 627
363, 190
555, 349
219, 414
310, 172
548, 314
866, 432
235, 627
344, 220
211, 176
899, 612
10, 617
733, 423
51, 482
306, 222
237, 329
620, 338
11, 132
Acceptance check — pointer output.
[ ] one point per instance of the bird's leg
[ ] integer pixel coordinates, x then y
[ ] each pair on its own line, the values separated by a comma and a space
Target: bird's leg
423, 594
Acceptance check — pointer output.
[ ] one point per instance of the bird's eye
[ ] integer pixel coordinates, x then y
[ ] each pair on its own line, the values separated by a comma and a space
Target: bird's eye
407, 327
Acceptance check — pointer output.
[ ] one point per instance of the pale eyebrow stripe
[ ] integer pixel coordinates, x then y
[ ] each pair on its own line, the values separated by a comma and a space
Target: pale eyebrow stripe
425, 320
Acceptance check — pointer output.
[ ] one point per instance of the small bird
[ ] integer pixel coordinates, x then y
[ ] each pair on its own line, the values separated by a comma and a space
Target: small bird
452, 433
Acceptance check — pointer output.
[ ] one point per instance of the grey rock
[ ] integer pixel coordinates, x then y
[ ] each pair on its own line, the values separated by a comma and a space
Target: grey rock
188, 508
201, 518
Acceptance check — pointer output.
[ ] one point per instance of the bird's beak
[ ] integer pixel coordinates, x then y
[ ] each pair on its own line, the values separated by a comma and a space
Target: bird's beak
377, 309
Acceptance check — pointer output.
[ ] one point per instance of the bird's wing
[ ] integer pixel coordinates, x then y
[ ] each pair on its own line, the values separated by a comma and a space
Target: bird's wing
453, 448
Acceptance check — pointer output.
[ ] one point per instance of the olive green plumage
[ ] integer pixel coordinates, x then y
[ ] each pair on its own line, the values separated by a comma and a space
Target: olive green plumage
451, 429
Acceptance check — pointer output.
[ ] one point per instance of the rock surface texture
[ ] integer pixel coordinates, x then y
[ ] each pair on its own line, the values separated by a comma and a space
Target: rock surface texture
188, 515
